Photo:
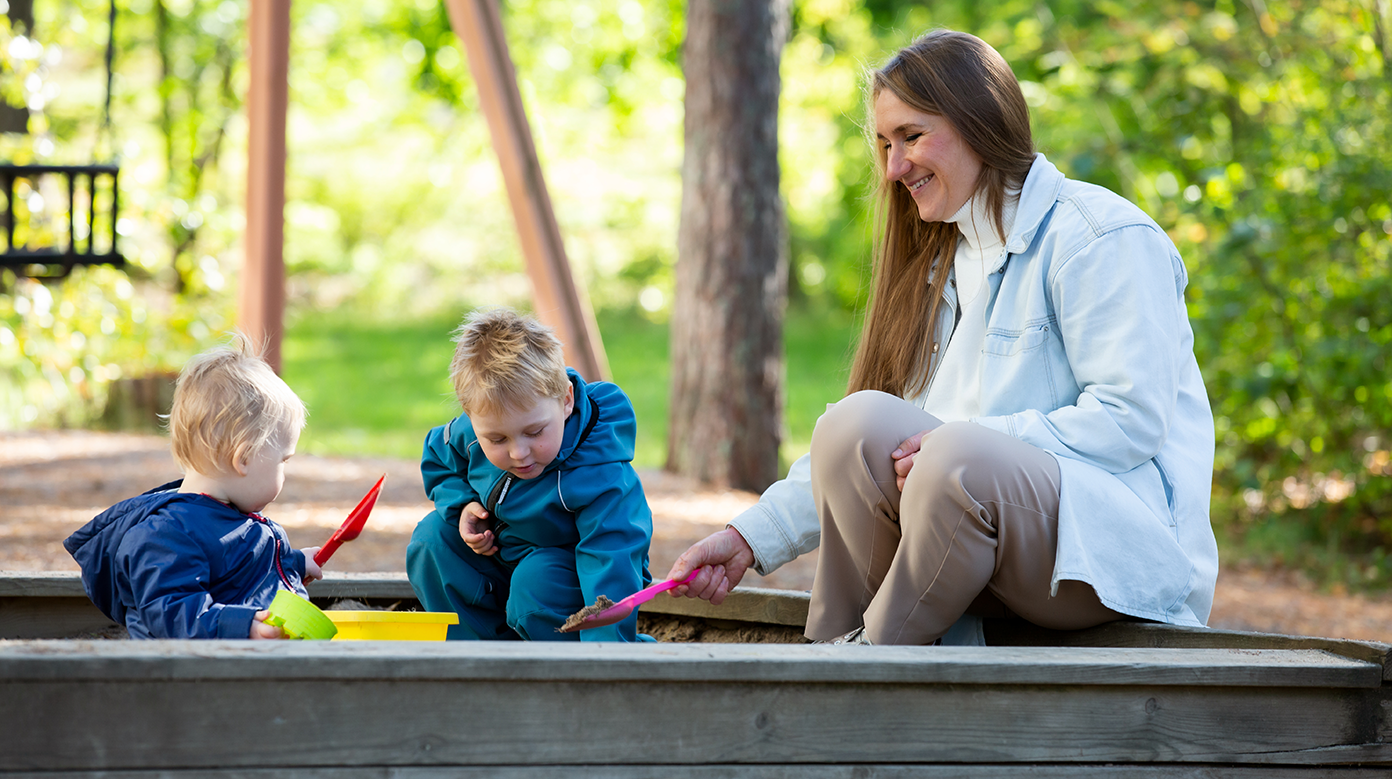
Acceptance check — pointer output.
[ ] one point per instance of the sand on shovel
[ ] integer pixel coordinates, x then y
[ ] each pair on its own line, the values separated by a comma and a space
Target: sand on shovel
573, 621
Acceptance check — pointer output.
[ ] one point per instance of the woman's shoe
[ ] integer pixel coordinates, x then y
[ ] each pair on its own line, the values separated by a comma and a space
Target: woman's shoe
856, 636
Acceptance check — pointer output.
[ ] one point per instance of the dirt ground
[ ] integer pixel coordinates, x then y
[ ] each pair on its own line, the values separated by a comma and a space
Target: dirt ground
52, 482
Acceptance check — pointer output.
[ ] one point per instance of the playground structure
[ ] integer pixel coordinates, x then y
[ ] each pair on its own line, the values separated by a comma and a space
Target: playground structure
83, 245
1122, 700
559, 299
1127, 699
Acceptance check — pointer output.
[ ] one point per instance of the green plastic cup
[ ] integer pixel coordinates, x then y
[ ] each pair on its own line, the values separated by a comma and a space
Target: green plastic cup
299, 618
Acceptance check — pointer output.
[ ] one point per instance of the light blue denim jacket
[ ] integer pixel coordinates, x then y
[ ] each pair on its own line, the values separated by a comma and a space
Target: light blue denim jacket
1087, 354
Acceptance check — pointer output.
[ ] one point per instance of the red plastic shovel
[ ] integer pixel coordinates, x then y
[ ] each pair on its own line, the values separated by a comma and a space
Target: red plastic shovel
351, 526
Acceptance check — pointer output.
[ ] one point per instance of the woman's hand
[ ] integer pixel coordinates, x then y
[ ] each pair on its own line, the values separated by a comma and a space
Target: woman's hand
474, 529
723, 558
904, 457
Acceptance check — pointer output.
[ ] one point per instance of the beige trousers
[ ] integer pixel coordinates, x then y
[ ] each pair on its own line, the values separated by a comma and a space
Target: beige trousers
975, 528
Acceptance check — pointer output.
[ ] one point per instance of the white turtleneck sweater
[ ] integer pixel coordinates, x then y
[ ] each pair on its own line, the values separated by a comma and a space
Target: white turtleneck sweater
979, 253
981, 247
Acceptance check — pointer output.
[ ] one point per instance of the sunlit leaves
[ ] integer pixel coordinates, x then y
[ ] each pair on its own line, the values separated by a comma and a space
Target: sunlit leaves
1254, 133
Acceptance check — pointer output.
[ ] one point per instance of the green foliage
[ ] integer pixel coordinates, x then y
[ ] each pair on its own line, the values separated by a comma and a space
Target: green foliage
63, 344
370, 385
395, 199
1259, 157
389, 408
64, 341
378, 386
1255, 133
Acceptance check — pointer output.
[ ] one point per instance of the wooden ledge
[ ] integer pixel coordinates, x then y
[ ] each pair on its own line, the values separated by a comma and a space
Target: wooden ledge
729, 663
184, 708
53, 605
745, 604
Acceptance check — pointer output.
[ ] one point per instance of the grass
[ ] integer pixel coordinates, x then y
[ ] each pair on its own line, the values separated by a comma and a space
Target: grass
375, 388
372, 388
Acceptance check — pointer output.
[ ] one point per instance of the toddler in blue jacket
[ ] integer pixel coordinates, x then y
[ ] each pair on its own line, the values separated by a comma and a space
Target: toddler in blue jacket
194, 558
538, 510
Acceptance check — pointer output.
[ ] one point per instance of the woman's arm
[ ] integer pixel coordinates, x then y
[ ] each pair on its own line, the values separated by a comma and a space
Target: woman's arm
780, 527
1120, 311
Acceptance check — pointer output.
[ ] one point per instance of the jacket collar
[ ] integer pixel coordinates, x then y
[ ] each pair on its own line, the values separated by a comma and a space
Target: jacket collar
580, 418
1037, 199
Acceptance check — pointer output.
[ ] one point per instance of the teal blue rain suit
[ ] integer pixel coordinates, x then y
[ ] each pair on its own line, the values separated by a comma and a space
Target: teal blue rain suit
579, 530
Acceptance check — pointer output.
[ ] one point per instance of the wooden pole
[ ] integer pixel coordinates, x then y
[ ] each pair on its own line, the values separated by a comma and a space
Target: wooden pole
262, 309
560, 300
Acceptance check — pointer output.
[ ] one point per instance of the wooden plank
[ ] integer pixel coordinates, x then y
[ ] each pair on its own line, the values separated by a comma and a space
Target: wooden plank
52, 604
745, 771
67, 584
560, 299
751, 605
262, 299
384, 586
52, 617
1151, 634
744, 604
132, 705
138, 724
733, 663
42, 604
41, 584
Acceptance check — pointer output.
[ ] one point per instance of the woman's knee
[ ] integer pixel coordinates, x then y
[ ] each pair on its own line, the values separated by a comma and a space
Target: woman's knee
948, 456
858, 421
986, 464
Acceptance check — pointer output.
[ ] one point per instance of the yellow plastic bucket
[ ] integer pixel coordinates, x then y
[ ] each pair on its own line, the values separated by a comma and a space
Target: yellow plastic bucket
392, 625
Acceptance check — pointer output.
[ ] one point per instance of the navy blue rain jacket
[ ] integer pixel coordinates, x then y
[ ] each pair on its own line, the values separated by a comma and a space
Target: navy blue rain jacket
169, 564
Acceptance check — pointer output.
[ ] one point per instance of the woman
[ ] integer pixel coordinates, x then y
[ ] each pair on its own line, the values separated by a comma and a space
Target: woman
1026, 431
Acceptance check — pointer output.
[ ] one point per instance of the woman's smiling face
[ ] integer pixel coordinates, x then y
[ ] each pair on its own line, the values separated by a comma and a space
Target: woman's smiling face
925, 154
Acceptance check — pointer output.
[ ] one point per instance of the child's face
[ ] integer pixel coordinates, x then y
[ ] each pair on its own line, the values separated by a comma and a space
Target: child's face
263, 474
524, 442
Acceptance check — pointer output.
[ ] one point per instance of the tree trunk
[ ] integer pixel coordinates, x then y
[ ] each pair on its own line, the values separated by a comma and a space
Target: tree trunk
15, 118
732, 268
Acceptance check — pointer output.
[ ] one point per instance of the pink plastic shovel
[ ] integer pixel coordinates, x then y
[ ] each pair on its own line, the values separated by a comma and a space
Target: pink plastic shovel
623, 608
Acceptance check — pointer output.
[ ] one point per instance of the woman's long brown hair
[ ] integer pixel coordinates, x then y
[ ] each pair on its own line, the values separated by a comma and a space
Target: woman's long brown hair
961, 78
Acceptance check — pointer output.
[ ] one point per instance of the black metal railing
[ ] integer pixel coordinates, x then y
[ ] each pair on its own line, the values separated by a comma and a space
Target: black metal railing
58, 260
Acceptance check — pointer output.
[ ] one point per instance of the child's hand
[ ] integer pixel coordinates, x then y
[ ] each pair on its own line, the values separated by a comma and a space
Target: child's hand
312, 572
260, 630
474, 529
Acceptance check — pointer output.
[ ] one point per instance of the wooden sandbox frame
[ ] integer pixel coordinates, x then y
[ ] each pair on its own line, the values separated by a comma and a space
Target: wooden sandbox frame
1127, 699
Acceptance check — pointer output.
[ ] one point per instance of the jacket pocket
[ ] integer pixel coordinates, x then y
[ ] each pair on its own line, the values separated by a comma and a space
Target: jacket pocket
999, 343
1017, 368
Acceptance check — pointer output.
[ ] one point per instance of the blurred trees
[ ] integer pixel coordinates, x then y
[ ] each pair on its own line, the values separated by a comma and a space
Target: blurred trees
1254, 131
725, 417
1256, 134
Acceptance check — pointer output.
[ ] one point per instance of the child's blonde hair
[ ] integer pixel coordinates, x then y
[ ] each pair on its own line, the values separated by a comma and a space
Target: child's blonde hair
504, 360
228, 403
